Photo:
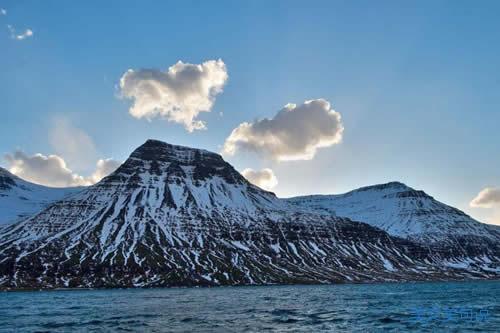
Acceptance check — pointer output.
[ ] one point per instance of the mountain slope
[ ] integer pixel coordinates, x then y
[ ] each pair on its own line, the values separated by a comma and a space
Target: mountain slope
173, 215
401, 211
20, 199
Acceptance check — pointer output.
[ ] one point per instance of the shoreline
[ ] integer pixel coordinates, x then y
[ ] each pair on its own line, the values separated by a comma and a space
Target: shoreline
248, 285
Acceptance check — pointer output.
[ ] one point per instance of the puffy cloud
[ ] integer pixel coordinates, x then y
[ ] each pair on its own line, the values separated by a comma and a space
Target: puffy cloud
74, 144
46, 170
103, 168
14, 35
178, 94
487, 198
3, 11
295, 133
52, 170
264, 178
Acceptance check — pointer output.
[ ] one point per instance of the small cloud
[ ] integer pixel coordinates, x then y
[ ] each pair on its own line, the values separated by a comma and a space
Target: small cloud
264, 178
52, 170
295, 133
178, 94
487, 198
14, 35
3, 11
103, 168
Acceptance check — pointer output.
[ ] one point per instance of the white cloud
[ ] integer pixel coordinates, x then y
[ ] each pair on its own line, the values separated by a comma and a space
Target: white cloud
74, 144
52, 170
487, 198
46, 170
264, 178
295, 133
3, 11
178, 94
103, 168
14, 35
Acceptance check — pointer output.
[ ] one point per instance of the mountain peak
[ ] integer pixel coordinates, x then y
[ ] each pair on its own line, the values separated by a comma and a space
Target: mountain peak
393, 189
155, 150
174, 165
393, 186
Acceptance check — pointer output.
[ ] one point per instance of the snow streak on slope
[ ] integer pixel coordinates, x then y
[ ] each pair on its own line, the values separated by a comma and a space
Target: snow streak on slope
20, 199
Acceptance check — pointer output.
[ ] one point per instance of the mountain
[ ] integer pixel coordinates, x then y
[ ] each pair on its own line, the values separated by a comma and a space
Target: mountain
178, 216
20, 199
401, 211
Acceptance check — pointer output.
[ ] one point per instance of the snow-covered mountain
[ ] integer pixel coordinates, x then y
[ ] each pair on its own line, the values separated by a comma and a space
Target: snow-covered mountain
173, 215
20, 199
401, 211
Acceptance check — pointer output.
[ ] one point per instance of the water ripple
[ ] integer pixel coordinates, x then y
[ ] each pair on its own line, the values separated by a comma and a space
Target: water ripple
342, 308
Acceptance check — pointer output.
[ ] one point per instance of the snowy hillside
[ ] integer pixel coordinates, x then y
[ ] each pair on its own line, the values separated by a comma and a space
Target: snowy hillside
401, 211
20, 199
172, 216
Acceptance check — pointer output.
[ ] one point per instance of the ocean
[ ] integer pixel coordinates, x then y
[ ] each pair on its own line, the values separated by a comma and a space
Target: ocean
385, 307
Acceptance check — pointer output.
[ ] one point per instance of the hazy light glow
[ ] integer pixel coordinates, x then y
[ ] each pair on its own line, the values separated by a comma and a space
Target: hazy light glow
74, 144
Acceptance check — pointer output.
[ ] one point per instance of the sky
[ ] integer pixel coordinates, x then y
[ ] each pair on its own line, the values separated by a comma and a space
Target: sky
303, 97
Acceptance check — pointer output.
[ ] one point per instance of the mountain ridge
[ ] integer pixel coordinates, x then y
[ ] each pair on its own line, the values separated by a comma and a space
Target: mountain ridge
20, 198
178, 216
394, 205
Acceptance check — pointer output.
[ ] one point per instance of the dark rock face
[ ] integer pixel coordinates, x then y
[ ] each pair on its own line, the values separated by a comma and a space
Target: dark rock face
177, 216
205, 164
6, 180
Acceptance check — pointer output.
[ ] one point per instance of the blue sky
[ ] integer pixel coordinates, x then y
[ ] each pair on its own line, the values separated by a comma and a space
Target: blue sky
416, 84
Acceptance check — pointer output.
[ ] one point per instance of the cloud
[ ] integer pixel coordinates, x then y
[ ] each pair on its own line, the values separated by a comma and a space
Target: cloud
73, 143
14, 35
3, 11
264, 178
46, 170
52, 170
178, 94
487, 198
295, 133
103, 168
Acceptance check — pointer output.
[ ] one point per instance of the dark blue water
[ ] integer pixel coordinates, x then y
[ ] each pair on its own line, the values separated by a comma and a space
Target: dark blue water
419, 307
